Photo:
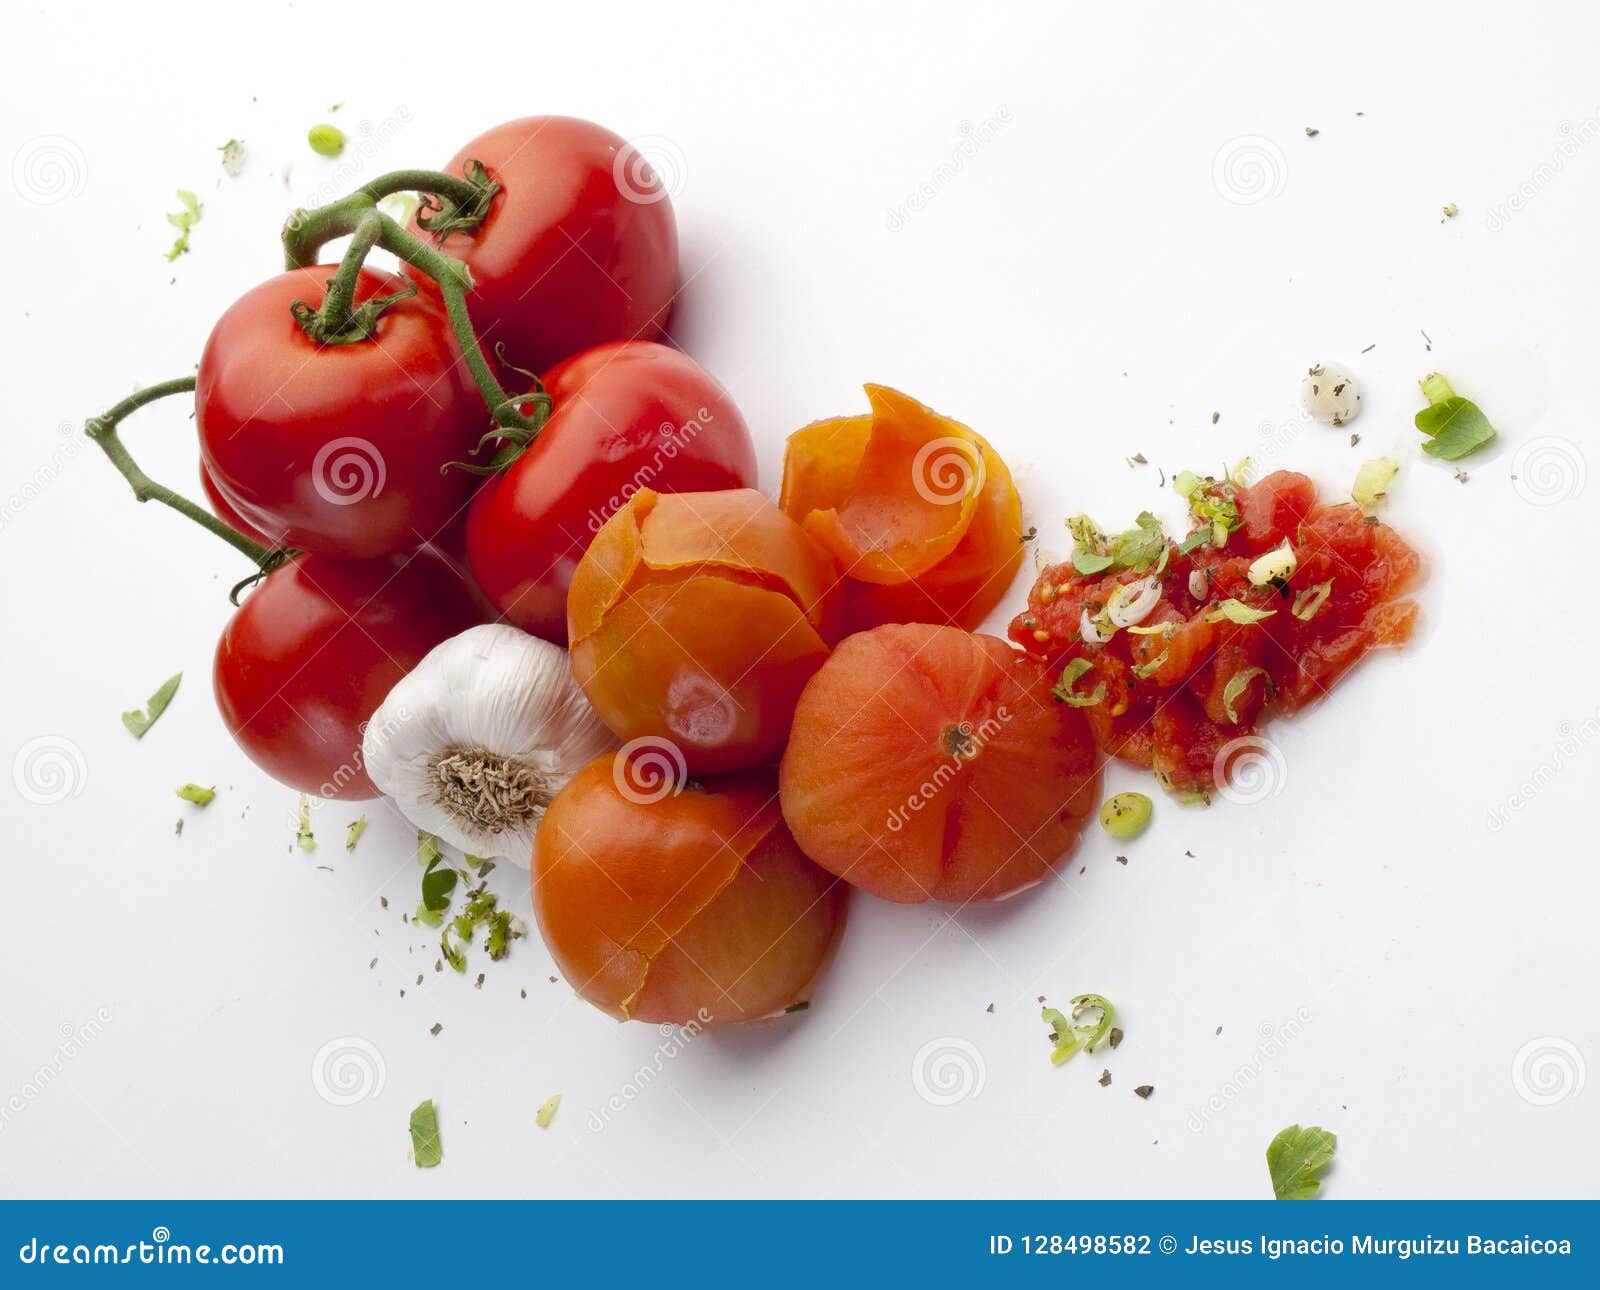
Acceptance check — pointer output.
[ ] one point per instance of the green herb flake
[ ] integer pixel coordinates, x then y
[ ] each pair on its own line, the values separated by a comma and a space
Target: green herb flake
141, 719
1071, 1037
426, 1149
1194, 541
199, 796
1089, 562
303, 838
183, 221
1307, 602
1373, 480
353, 835
326, 140
1066, 690
438, 885
1236, 611
452, 954
547, 1112
232, 157
1297, 1160
1456, 427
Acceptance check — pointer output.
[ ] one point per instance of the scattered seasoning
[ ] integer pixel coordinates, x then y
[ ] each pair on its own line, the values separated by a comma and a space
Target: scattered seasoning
1427, 339
383, 901
1138, 459
179, 829
478, 984
353, 835
524, 994
1354, 440
1105, 1079
990, 1008
1461, 475
547, 1112
435, 1029
141, 719
303, 837
1312, 132
1032, 532
1122, 859
1189, 854
1144, 1090
426, 1150
1370, 348
1215, 417
232, 157
1219, 1030
199, 796
1115, 1037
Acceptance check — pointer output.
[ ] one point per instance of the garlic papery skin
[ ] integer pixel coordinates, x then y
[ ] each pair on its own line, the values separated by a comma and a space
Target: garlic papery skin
475, 741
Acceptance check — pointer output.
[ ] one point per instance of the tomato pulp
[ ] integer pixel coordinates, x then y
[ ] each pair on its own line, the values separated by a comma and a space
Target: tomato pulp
579, 246
1183, 690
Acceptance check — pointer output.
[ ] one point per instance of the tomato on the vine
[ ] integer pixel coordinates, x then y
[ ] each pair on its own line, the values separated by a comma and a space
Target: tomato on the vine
626, 416
579, 245
337, 448
315, 648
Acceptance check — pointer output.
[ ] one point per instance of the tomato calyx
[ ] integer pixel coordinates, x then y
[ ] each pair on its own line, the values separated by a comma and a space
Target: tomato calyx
441, 215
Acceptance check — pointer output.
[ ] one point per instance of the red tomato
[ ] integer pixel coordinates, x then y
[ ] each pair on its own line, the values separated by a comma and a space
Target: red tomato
337, 448
315, 648
579, 245
223, 510
627, 416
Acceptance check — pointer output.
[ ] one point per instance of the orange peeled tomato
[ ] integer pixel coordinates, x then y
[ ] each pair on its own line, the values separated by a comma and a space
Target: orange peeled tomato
698, 618
664, 902
819, 469
927, 763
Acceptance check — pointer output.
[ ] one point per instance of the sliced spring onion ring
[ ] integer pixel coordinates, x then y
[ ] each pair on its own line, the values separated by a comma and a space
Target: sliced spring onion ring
1146, 670
1065, 689
1132, 602
1274, 566
1307, 602
1236, 611
1089, 629
1238, 684
1373, 480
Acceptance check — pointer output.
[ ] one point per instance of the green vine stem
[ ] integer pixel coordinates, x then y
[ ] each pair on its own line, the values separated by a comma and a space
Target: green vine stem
103, 430
308, 231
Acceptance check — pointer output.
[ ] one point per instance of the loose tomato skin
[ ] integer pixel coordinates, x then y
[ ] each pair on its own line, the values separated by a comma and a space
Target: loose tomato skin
663, 900
337, 449
579, 246
315, 648
697, 618
625, 416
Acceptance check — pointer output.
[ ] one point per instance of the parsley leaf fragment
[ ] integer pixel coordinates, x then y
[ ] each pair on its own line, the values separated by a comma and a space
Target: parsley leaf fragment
426, 1148
141, 719
199, 796
1297, 1159
183, 221
1456, 427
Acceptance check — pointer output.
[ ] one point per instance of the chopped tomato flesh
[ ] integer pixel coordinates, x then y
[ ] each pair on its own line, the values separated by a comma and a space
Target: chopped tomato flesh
1188, 679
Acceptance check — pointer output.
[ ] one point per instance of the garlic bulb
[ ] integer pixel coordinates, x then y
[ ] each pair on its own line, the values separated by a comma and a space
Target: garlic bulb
480, 736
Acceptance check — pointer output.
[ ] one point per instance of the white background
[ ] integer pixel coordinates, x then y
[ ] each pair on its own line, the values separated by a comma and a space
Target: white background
1146, 235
